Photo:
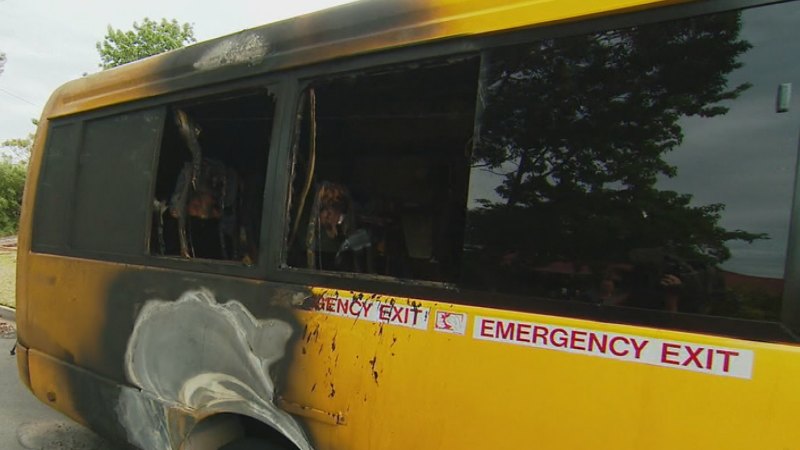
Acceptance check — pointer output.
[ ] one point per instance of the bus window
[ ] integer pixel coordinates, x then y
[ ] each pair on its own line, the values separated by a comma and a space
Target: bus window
582, 172
210, 182
381, 169
113, 173
643, 167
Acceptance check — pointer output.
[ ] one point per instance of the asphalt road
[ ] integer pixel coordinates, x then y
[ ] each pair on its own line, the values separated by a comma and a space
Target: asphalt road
27, 424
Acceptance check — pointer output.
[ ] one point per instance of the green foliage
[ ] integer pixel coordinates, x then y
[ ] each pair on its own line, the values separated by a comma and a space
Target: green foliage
18, 150
146, 39
12, 183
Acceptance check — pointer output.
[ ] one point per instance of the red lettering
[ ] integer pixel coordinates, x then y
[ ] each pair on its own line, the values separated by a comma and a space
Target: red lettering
601, 345
330, 306
506, 332
559, 341
385, 311
398, 315
353, 310
638, 347
487, 328
578, 337
342, 305
415, 312
612, 343
693, 356
539, 332
367, 307
726, 361
709, 359
667, 350
523, 332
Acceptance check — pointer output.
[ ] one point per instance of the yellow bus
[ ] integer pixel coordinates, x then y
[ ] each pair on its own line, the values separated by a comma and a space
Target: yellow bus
428, 224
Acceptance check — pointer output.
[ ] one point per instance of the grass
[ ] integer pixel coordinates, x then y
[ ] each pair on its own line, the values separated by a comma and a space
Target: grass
8, 270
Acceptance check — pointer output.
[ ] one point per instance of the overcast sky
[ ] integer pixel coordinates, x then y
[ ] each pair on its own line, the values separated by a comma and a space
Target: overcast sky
50, 42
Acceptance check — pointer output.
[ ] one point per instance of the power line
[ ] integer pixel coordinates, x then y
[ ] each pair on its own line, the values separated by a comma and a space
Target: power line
17, 97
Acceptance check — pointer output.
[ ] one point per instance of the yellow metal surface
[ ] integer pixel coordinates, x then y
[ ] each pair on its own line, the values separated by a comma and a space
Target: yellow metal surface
404, 388
327, 35
358, 384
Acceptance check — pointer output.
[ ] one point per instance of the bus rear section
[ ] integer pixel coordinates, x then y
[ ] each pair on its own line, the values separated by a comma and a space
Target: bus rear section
565, 227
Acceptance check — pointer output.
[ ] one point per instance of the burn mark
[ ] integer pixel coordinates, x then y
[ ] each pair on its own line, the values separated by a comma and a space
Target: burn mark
172, 356
248, 48
372, 363
313, 335
309, 303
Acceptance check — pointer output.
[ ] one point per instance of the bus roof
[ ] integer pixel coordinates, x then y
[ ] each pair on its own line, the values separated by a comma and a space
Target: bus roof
357, 28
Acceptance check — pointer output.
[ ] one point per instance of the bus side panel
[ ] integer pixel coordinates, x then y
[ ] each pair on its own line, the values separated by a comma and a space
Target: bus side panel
210, 343
490, 387
395, 374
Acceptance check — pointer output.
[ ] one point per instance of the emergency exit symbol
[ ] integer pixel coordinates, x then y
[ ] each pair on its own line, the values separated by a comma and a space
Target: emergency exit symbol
450, 322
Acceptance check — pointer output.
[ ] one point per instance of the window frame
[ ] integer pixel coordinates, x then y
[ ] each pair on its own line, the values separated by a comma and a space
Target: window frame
278, 270
275, 85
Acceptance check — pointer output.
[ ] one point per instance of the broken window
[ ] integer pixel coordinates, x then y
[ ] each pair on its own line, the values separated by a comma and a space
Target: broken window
211, 174
381, 171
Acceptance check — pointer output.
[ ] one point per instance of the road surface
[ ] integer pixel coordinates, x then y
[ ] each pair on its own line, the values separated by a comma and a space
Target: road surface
28, 424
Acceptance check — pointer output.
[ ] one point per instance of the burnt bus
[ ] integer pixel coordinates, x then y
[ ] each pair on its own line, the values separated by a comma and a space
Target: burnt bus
427, 224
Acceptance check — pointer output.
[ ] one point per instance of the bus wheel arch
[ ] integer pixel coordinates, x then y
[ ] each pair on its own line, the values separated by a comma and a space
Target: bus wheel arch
231, 431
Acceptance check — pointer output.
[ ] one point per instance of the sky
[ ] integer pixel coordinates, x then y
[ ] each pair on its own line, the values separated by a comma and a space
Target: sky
49, 42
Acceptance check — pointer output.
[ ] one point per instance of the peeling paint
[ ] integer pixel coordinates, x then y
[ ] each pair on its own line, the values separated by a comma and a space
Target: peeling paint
208, 357
244, 48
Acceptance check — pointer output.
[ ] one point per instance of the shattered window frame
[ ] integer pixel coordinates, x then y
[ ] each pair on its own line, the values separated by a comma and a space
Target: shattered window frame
211, 175
357, 78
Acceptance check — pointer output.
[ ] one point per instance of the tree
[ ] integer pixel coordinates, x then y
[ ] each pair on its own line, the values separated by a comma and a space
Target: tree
578, 127
3, 60
13, 168
18, 150
12, 184
150, 38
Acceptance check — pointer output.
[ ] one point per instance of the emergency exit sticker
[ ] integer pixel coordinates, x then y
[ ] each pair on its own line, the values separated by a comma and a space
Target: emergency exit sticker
708, 359
380, 311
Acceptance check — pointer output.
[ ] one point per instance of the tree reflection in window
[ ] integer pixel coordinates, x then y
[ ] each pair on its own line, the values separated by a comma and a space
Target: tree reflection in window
575, 131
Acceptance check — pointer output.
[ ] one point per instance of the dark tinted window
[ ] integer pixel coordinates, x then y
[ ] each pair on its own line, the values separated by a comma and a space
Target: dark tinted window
56, 182
643, 167
114, 175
